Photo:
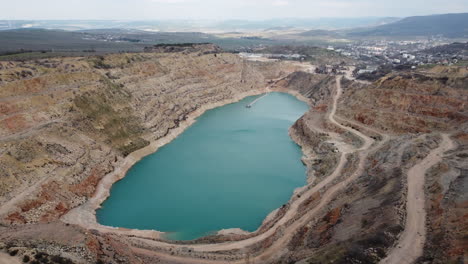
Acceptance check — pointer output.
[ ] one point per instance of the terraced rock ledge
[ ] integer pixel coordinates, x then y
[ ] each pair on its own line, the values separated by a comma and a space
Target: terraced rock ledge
71, 127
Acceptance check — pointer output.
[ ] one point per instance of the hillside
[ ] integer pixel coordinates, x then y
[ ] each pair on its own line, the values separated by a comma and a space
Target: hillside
315, 55
102, 41
447, 25
57, 40
71, 127
454, 49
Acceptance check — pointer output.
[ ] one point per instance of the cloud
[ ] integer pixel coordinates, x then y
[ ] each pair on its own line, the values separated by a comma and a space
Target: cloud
280, 3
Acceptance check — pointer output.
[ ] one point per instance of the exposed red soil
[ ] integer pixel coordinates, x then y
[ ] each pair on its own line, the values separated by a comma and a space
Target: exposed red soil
15, 218
88, 185
15, 123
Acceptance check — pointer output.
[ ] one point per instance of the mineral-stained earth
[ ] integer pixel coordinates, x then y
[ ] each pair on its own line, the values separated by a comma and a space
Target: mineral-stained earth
387, 161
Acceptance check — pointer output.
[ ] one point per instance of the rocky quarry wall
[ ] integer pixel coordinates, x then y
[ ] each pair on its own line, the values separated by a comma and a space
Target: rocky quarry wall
65, 123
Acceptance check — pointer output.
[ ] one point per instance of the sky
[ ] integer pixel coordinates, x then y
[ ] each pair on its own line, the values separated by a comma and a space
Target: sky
222, 9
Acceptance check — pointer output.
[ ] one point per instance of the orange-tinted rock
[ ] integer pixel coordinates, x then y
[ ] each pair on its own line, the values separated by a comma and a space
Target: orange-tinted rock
88, 185
31, 204
15, 123
16, 218
321, 108
55, 213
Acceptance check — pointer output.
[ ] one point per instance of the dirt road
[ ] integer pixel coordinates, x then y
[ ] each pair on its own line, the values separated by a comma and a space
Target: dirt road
411, 243
289, 231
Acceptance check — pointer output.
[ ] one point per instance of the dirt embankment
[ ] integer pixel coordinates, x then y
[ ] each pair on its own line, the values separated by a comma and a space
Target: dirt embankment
70, 121
67, 123
408, 103
373, 212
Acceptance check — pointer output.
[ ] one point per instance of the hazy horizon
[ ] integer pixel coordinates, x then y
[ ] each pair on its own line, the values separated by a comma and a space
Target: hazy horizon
142, 10
221, 19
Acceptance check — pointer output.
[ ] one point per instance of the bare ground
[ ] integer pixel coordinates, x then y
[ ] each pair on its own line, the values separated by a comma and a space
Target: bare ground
411, 243
281, 243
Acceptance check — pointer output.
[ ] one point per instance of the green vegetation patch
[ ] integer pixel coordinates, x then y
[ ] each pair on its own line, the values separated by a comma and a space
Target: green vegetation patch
312, 54
111, 61
98, 62
108, 111
463, 63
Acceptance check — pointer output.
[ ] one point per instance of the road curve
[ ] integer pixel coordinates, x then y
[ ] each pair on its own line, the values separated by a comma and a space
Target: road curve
367, 140
411, 243
289, 231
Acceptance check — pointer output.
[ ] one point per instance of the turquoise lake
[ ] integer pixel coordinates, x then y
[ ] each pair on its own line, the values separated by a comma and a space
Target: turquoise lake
230, 169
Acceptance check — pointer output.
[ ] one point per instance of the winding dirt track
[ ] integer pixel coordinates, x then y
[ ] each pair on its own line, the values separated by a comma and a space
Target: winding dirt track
280, 244
408, 248
411, 243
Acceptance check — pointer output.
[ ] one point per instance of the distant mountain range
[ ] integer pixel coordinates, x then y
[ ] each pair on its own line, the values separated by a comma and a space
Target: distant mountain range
114, 36
447, 25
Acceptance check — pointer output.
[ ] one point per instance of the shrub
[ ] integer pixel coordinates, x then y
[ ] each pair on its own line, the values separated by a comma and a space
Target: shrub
61, 260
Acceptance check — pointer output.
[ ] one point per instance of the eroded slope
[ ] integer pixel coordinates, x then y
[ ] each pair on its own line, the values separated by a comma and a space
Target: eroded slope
65, 123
